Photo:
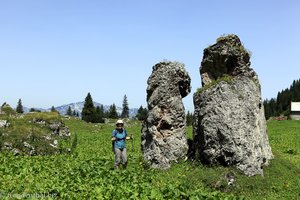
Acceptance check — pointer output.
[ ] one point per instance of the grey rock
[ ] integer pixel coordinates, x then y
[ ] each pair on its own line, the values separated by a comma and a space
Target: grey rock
29, 149
163, 133
16, 152
8, 146
229, 122
58, 128
3, 123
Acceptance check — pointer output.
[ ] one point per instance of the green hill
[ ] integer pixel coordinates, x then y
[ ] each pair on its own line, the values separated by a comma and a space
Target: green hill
34, 133
88, 172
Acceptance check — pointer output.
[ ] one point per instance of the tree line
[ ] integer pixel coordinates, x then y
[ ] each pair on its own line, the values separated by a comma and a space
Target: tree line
282, 104
93, 114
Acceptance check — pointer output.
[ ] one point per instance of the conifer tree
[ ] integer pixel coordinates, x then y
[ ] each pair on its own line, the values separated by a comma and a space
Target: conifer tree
281, 104
189, 119
112, 113
125, 110
53, 109
88, 111
19, 108
74, 113
69, 111
99, 114
142, 113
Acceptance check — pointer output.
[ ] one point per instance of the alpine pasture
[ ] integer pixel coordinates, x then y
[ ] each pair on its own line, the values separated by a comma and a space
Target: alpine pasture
87, 172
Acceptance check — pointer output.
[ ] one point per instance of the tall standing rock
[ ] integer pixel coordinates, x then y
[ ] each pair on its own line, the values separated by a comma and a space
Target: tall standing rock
163, 134
229, 122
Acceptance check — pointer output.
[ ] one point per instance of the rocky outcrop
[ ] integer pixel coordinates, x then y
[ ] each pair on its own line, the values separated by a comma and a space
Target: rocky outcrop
229, 122
4, 124
57, 127
39, 136
163, 133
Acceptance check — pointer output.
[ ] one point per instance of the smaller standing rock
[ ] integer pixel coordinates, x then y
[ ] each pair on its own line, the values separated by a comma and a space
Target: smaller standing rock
163, 133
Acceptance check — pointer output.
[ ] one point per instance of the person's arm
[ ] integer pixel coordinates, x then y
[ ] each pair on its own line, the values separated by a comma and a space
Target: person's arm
113, 138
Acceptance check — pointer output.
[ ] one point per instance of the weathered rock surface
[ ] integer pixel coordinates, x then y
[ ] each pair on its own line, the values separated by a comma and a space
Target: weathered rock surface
163, 134
229, 122
58, 128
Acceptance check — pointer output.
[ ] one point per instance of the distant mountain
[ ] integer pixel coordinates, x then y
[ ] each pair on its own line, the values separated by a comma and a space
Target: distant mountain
79, 106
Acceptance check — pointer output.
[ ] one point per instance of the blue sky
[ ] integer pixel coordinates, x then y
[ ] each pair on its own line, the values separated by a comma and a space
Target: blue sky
54, 52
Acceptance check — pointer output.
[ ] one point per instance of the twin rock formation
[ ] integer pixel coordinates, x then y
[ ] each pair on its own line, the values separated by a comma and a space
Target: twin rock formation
229, 126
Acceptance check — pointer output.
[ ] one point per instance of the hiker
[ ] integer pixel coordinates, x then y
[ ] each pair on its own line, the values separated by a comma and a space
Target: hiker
119, 137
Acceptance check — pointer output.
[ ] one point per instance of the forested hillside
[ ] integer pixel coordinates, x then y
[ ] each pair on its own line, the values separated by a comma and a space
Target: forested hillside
281, 104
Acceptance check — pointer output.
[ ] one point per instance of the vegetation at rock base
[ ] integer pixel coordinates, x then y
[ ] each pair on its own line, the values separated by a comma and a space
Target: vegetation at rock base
227, 78
87, 173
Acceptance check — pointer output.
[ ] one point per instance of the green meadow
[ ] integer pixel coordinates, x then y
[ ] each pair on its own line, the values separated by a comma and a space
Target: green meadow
87, 172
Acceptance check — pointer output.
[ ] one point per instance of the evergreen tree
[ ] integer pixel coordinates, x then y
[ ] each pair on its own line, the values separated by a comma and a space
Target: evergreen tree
142, 113
53, 109
74, 113
112, 113
19, 108
125, 110
69, 111
106, 114
3, 104
99, 114
281, 105
267, 109
189, 119
88, 112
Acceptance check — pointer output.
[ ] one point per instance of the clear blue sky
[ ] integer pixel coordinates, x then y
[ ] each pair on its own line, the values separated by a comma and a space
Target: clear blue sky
54, 52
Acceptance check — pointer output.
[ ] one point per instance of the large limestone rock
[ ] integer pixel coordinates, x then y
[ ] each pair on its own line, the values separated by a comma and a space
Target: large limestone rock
163, 134
229, 122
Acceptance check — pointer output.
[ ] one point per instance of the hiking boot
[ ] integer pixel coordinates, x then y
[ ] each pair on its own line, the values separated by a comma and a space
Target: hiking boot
125, 165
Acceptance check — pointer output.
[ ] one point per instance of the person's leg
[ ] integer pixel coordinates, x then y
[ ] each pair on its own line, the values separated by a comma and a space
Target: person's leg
118, 157
124, 157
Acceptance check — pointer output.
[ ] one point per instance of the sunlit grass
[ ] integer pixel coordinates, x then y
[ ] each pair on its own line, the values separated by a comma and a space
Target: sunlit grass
88, 172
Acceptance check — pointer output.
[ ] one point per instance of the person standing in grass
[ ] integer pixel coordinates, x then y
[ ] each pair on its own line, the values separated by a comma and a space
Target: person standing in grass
119, 137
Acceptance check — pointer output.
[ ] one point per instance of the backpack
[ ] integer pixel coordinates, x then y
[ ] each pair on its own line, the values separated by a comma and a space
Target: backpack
119, 140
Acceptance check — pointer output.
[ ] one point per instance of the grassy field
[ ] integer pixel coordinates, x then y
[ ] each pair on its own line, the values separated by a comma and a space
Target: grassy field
88, 172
